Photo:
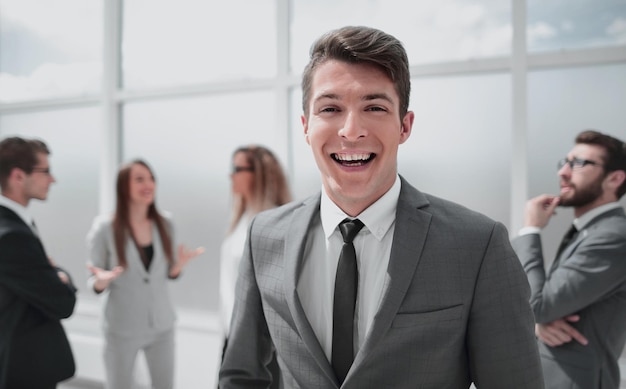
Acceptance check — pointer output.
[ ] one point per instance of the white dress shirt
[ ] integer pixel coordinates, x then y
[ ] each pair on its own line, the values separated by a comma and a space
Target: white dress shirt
231, 252
316, 284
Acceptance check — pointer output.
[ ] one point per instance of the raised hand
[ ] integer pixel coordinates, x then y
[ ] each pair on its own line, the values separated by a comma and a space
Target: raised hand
104, 277
184, 256
539, 210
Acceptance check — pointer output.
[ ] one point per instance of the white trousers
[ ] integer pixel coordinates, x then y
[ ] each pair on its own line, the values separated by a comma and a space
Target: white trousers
120, 354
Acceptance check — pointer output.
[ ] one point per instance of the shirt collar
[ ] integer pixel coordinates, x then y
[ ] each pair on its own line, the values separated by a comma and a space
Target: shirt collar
18, 208
582, 221
377, 218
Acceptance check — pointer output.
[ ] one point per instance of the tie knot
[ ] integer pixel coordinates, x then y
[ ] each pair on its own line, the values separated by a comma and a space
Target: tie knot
349, 229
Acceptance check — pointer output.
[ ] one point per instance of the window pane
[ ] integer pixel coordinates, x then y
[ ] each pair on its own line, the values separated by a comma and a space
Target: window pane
65, 217
459, 148
49, 49
432, 31
188, 143
562, 103
570, 24
178, 42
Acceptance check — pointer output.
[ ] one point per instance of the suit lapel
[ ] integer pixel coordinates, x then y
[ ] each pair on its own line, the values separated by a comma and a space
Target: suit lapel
295, 241
411, 229
582, 234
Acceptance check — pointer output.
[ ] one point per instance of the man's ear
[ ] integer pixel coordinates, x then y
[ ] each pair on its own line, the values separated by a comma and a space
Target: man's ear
615, 179
17, 174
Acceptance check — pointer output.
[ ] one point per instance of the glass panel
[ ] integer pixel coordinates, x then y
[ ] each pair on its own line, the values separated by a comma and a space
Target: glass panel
169, 43
570, 24
459, 148
432, 31
188, 143
65, 218
562, 103
49, 49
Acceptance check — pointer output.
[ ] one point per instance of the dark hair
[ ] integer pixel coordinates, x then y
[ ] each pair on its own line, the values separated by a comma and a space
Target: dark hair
361, 45
16, 152
615, 152
121, 219
270, 187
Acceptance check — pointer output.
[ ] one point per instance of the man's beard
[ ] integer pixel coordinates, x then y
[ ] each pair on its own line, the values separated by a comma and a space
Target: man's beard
583, 195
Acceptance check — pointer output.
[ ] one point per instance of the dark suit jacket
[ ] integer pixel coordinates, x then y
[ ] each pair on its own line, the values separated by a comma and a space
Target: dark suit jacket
454, 308
34, 350
588, 279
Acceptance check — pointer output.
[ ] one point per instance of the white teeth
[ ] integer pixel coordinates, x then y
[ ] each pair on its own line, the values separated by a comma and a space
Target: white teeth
353, 157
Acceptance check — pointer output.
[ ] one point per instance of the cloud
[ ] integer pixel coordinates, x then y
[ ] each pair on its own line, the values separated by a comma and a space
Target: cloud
617, 30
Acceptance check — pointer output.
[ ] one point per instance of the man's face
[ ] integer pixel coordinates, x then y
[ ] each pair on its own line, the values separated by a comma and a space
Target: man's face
37, 183
354, 129
582, 186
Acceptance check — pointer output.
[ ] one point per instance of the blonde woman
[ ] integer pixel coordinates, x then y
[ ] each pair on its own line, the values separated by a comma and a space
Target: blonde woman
258, 183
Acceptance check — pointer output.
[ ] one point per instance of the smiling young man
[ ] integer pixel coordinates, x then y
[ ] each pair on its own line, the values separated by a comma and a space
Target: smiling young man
420, 293
580, 305
34, 294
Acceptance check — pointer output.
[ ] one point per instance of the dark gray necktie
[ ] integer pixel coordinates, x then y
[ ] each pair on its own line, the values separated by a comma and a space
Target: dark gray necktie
567, 239
346, 286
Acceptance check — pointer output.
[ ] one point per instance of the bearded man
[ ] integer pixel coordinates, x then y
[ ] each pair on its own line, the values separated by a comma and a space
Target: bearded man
580, 304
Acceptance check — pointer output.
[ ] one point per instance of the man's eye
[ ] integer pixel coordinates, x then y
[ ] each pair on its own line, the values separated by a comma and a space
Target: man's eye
378, 109
329, 109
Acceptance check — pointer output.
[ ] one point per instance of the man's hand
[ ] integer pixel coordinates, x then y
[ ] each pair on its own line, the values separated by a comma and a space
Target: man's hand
539, 210
559, 332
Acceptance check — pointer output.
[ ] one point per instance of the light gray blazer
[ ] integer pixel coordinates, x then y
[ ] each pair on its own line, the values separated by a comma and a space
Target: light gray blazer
138, 300
589, 279
454, 310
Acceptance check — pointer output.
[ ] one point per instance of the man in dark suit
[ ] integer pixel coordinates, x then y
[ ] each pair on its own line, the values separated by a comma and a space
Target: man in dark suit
580, 305
425, 293
34, 294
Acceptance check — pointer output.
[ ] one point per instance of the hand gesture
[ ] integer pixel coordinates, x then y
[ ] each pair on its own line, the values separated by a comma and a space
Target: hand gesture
184, 256
104, 277
559, 332
539, 210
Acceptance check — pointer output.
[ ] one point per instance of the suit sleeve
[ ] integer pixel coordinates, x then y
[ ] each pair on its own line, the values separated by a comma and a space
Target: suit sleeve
98, 248
26, 272
595, 269
249, 345
501, 342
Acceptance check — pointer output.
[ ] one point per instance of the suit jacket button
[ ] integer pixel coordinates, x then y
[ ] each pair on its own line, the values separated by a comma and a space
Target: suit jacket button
146, 280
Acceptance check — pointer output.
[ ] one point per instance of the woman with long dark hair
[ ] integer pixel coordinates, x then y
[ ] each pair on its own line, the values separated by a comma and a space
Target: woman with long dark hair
131, 257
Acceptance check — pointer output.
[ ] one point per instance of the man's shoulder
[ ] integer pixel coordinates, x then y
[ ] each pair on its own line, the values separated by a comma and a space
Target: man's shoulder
11, 223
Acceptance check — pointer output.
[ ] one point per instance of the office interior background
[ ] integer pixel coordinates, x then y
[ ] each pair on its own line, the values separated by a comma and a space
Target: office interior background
499, 91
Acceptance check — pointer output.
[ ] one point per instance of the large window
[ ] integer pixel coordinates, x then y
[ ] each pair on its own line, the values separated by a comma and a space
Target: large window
49, 49
195, 79
185, 42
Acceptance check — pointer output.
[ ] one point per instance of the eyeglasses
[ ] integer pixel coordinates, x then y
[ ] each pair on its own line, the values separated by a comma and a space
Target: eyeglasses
576, 163
44, 170
238, 169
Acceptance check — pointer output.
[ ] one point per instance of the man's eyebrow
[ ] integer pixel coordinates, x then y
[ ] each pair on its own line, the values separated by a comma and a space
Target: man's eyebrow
376, 96
373, 96
331, 96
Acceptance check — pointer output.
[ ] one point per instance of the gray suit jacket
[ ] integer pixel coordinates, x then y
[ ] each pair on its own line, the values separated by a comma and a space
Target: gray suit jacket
454, 310
589, 279
138, 300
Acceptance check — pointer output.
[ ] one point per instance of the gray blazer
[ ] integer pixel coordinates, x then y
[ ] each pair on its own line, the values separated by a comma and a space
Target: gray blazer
138, 300
454, 310
589, 279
